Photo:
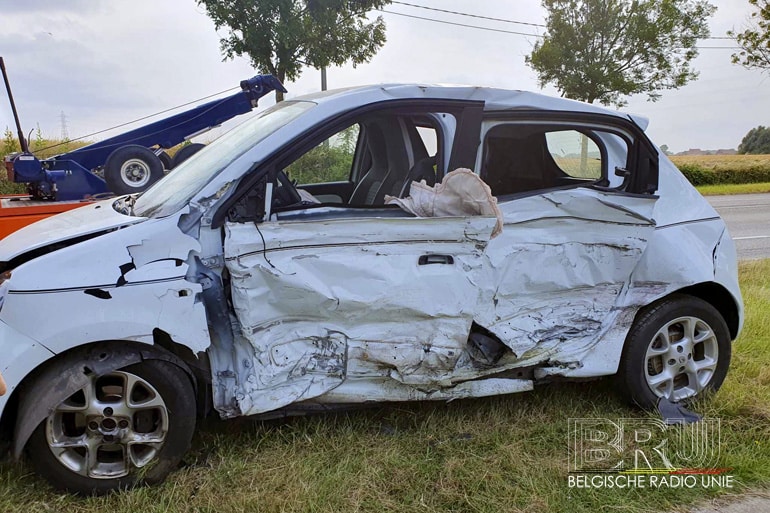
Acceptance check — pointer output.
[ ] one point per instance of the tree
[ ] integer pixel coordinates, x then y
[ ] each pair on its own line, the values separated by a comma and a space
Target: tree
756, 142
282, 36
603, 50
755, 40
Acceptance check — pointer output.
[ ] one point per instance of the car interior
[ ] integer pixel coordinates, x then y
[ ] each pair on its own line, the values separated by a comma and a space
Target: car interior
388, 153
381, 155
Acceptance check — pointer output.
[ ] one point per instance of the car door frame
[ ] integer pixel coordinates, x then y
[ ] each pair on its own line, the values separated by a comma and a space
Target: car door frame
643, 155
594, 348
468, 115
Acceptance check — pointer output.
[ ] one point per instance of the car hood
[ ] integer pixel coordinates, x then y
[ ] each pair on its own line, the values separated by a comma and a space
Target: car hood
83, 221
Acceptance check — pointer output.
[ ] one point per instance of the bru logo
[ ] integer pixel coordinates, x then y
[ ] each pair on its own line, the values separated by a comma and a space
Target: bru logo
641, 445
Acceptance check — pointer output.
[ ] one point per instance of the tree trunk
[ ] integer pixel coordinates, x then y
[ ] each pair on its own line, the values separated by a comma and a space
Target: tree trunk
281, 76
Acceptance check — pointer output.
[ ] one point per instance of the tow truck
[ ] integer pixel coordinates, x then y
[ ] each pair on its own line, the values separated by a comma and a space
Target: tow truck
127, 163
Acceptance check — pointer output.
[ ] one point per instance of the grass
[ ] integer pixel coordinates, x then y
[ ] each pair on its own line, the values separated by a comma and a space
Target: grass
735, 188
495, 454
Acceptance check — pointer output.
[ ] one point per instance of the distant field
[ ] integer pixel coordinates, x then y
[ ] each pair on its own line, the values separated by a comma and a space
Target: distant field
722, 162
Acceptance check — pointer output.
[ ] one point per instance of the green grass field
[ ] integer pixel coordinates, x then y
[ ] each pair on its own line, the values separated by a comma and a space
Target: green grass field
734, 188
489, 455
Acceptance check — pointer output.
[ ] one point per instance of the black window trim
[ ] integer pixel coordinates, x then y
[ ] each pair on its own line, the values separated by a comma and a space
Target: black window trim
643, 159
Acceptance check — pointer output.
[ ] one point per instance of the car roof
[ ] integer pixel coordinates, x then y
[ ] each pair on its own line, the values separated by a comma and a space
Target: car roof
495, 99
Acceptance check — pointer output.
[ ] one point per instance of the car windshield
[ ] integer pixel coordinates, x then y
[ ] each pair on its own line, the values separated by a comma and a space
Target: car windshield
177, 188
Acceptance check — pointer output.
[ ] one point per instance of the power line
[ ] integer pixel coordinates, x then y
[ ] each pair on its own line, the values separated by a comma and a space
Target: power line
490, 29
502, 20
469, 14
139, 119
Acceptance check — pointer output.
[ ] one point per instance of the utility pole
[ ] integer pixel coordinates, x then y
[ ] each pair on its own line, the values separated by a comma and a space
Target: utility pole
64, 132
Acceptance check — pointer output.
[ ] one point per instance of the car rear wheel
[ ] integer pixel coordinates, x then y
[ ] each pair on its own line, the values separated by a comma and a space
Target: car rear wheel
678, 348
127, 427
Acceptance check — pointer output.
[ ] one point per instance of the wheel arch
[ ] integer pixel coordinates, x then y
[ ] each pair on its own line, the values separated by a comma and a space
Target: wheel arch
718, 297
60, 376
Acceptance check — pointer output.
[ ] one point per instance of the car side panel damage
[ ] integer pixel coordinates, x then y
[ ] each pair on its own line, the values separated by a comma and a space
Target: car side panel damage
322, 301
306, 296
138, 286
556, 273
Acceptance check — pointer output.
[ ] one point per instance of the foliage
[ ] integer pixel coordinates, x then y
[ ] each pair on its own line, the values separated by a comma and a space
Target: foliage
603, 50
10, 143
282, 36
757, 141
703, 170
755, 40
698, 175
41, 146
740, 188
330, 161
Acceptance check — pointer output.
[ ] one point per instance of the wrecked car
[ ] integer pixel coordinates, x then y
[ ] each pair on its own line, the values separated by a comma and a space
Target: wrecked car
319, 256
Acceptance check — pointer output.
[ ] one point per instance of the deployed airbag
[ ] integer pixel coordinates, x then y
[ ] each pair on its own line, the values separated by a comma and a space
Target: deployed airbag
460, 193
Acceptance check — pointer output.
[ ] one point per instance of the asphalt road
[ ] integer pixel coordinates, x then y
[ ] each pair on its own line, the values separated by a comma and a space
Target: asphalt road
748, 219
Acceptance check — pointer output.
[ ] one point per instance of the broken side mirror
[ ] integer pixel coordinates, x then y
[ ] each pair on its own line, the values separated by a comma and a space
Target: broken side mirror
250, 208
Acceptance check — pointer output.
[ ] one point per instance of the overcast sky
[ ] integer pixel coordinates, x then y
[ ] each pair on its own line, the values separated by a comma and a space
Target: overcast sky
102, 63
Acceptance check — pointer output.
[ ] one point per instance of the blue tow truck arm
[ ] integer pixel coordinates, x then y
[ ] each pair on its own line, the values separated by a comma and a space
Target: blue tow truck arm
71, 176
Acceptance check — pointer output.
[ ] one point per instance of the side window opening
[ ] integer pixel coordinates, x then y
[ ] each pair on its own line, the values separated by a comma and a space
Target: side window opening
575, 154
519, 157
378, 155
329, 161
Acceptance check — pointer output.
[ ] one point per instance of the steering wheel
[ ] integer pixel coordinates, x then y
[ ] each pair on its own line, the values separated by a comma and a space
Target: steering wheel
285, 193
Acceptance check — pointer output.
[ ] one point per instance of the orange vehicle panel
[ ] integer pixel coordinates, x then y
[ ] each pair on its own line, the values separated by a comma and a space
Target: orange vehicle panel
18, 211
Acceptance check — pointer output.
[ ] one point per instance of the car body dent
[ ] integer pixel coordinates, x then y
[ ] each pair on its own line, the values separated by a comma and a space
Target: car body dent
140, 271
319, 299
556, 272
95, 218
338, 309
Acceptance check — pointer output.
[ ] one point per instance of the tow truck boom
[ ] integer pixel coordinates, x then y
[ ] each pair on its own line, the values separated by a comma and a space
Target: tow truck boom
125, 162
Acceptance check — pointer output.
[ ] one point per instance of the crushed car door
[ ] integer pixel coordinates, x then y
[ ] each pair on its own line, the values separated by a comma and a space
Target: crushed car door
571, 238
319, 300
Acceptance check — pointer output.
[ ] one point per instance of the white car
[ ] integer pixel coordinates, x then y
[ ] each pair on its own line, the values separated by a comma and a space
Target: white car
228, 286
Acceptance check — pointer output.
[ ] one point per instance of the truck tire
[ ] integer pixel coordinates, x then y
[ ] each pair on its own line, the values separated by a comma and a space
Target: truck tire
131, 169
165, 159
185, 152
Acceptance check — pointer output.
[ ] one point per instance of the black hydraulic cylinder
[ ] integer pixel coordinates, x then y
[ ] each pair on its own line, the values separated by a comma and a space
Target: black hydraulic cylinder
22, 140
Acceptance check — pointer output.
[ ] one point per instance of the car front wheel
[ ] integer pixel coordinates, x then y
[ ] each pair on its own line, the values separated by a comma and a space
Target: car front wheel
127, 427
678, 348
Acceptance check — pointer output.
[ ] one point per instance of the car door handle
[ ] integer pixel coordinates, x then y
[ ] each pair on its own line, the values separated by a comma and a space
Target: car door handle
436, 259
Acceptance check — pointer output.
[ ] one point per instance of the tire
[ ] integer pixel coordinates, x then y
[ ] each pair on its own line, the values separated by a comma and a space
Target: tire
165, 159
661, 360
185, 152
151, 402
131, 169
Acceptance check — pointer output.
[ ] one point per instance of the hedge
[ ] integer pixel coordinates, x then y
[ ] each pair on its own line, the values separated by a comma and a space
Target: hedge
698, 175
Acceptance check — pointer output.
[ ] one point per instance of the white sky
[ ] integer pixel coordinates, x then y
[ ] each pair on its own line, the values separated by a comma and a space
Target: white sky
104, 63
